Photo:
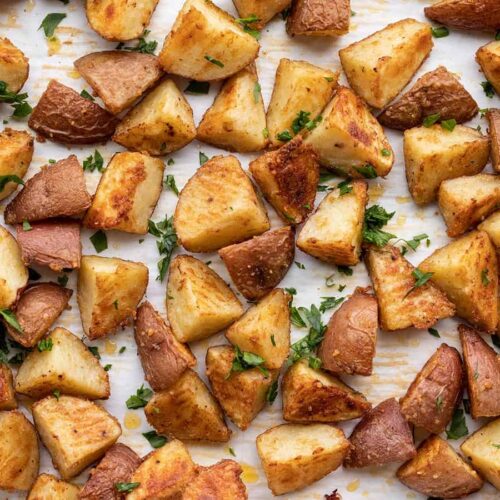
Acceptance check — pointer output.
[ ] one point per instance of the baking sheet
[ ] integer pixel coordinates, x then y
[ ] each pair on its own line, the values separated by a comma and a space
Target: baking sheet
399, 354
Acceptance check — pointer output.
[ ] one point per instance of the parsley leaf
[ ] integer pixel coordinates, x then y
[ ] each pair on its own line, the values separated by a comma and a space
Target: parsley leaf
203, 158
155, 440
488, 89
100, 241
414, 243
214, 61
272, 392
94, 350
449, 124
10, 318
143, 46
376, 217
284, 136
45, 345
246, 23
63, 280
330, 303
430, 120
434, 332
95, 162
140, 398
440, 32
86, 95
311, 318
367, 171
51, 22
484, 277
344, 187
300, 121
458, 427
27, 226
167, 242
198, 88
5, 179
256, 92
170, 184
17, 101
421, 279
346, 270
246, 361
125, 487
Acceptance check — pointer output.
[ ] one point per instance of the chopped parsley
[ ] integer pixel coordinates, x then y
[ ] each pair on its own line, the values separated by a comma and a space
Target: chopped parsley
167, 242
246, 361
344, 187
140, 398
126, 487
488, 89
272, 392
256, 92
203, 158
300, 265
440, 32
26, 226
284, 136
421, 279
305, 347
56, 393
430, 120
10, 318
376, 217
214, 61
367, 171
45, 345
143, 46
449, 124
94, 350
17, 101
170, 184
385, 152
99, 240
94, 162
86, 95
246, 22
484, 277
51, 22
291, 291
5, 179
434, 332
346, 270
155, 440
63, 279
328, 303
198, 88
458, 427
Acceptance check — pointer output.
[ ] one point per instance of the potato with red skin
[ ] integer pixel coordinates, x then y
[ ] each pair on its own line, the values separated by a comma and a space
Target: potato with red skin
493, 116
319, 18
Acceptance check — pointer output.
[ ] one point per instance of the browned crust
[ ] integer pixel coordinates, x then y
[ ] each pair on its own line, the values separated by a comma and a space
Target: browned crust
319, 17
494, 129
7, 396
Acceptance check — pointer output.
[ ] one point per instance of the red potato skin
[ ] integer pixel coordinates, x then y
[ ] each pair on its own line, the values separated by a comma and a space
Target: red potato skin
494, 122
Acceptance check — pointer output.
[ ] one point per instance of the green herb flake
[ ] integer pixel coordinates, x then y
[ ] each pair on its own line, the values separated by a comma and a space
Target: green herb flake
430, 120
291, 291
300, 265
458, 427
122, 349
284, 136
328, 303
376, 217
45, 345
203, 158
483, 112
484, 277
244, 360
488, 89
197, 88
143, 46
421, 279
107, 367
434, 332
300, 121
26, 226
94, 350
94, 162
56, 393
272, 392
155, 440
256, 92
246, 24
440, 32
170, 184
86, 95
167, 242
10, 318
329, 78
231, 451
126, 487
310, 318
100, 241
115, 304
344, 187
367, 171
63, 279
17, 101
51, 22
214, 61
5, 179
265, 133
345, 270
140, 398
385, 152
449, 124
415, 242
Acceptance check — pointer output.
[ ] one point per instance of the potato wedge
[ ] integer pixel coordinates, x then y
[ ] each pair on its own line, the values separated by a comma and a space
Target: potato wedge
7, 395
19, 456
258, 265
488, 57
16, 152
493, 116
218, 206
491, 225
350, 140
76, 432
433, 154
436, 92
319, 18
118, 77
466, 270
438, 471
14, 65
348, 344
163, 358
435, 392
109, 290
263, 10
401, 305
199, 303
48, 487
294, 456
160, 124
236, 121
379, 66
265, 329
334, 232
56, 191
187, 410
127, 194
206, 43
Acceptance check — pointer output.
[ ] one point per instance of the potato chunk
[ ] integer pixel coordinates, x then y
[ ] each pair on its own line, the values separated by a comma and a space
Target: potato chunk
294, 456
187, 410
334, 232
109, 290
7, 395
199, 303
127, 194
75, 431
350, 140
14, 66
48, 487
264, 10
206, 43
218, 206
491, 225
433, 154
488, 58
466, 270
400, 305
319, 18
494, 129
265, 329
160, 124
379, 66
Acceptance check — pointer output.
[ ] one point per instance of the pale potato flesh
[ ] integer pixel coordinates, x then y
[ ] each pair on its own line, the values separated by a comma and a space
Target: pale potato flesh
48, 487
14, 66
264, 10
488, 58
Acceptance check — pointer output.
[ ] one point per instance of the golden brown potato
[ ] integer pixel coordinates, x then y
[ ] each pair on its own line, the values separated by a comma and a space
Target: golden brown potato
400, 304
127, 194
187, 410
349, 341
48, 487
435, 392
382, 436
199, 303
350, 140
263, 10
7, 395
483, 374
76, 432
56, 191
437, 471
14, 66
206, 43
119, 77
491, 225
242, 395
294, 456
436, 92
433, 154
218, 206
258, 265
379, 66
16, 151
488, 58
163, 358
493, 116
319, 18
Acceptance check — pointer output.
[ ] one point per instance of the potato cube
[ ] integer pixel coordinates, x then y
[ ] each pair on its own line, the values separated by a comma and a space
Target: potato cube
263, 10
494, 129
323, 18
7, 395
48, 487
14, 66
491, 225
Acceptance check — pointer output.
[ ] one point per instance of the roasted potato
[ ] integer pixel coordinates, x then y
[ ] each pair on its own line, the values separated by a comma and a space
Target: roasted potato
382, 436
119, 20
19, 456
437, 471
188, 411
160, 124
433, 154
236, 121
488, 57
334, 232
265, 329
466, 270
76, 432
349, 341
127, 194
16, 151
163, 358
258, 265
206, 43
288, 179
242, 395
435, 392
118, 77
379, 66
109, 290
350, 140
14, 66
400, 304
7, 395
55, 191
436, 92
299, 88
218, 206
199, 303
294, 456
491, 225
482, 365
48, 487
263, 10
319, 18
494, 129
